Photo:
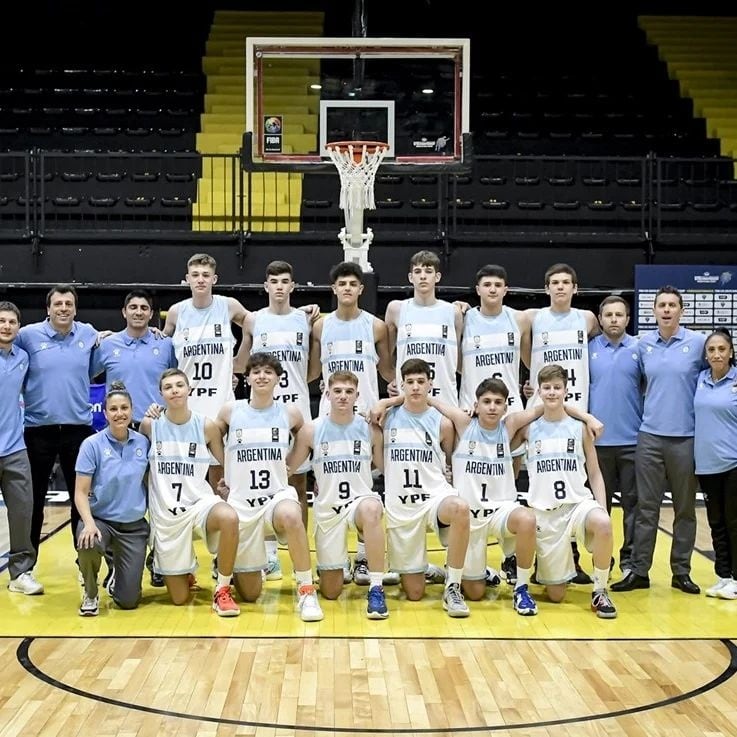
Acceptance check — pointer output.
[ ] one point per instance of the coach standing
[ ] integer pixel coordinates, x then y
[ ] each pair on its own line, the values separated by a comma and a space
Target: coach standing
58, 414
671, 359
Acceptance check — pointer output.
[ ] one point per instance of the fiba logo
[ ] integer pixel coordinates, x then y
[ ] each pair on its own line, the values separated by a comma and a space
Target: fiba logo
272, 125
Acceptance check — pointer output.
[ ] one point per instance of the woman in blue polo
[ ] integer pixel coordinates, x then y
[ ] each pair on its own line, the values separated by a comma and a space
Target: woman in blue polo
110, 495
715, 453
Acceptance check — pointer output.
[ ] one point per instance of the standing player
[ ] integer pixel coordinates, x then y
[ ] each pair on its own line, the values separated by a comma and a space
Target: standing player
427, 328
15, 470
615, 397
259, 432
560, 335
182, 504
350, 339
495, 337
418, 442
560, 453
344, 446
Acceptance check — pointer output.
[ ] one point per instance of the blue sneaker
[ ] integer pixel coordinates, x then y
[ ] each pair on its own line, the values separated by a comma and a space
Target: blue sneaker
272, 572
524, 604
376, 608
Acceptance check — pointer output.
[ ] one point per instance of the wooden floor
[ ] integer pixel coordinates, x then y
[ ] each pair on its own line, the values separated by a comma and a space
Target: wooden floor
665, 666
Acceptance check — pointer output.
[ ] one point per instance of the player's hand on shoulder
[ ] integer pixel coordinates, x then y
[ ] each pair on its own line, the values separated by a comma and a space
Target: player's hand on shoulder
527, 390
595, 427
101, 335
464, 307
312, 311
154, 411
391, 388
158, 333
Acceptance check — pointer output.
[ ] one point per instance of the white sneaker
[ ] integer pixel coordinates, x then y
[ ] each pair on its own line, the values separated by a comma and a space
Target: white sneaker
729, 590
434, 574
273, 571
717, 587
308, 605
26, 584
453, 601
90, 606
347, 575
391, 578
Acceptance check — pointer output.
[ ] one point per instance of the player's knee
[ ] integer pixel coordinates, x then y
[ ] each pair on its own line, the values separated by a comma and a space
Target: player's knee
371, 511
473, 590
556, 594
330, 591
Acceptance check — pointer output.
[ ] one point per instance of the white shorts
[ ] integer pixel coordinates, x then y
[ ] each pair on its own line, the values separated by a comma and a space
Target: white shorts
173, 538
555, 530
253, 529
474, 568
331, 544
407, 538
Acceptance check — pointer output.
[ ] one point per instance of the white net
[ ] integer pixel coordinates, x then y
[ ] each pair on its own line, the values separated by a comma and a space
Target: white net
357, 165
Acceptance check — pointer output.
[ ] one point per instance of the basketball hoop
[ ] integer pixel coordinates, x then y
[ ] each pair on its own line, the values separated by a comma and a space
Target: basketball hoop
357, 163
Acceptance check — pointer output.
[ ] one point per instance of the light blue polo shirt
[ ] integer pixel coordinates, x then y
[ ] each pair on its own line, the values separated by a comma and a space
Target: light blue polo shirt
13, 370
671, 368
138, 363
615, 389
58, 384
715, 408
117, 470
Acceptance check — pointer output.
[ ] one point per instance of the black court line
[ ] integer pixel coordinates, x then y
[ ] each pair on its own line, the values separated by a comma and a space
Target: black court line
25, 661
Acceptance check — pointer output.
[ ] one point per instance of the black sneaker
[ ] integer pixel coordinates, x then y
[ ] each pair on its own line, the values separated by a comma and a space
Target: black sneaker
602, 605
581, 576
157, 580
509, 569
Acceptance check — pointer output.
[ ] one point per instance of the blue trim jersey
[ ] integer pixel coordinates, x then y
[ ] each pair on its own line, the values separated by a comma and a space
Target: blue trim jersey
348, 345
490, 349
341, 462
483, 471
429, 333
562, 338
203, 344
256, 455
287, 337
556, 464
179, 460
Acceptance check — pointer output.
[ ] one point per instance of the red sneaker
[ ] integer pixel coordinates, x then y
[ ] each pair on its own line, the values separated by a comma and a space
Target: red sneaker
224, 604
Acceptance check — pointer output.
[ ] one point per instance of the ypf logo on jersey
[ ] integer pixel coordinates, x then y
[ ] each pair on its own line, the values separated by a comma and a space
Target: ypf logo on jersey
580, 337
274, 434
218, 330
192, 452
570, 445
356, 447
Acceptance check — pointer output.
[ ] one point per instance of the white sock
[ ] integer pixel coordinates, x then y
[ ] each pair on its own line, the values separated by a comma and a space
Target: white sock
361, 550
304, 578
453, 575
376, 579
523, 576
223, 580
601, 576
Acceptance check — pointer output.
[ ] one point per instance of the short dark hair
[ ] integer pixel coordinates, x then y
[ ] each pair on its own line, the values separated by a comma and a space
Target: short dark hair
279, 267
61, 289
551, 372
346, 268
669, 289
6, 306
561, 269
492, 386
491, 270
415, 366
138, 294
611, 299
262, 358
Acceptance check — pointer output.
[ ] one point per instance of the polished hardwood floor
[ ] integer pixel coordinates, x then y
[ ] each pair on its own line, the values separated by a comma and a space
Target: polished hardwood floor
665, 666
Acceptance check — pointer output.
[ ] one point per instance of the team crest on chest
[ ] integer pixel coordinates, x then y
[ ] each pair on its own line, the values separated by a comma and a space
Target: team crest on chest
500, 450
330, 348
477, 341
444, 331
158, 447
359, 346
356, 447
324, 447
408, 329
192, 452
510, 338
239, 436
570, 445
428, 439
544, 337
185, 333
471, 447
274, 434
218, 328
580, 337
393, 435
300, 338
263, 339
538, 447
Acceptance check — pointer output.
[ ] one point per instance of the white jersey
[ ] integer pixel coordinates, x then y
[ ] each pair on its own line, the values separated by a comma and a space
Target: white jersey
414, 462
255, 455
429, 333
562, 338
287, 337
348, 345
341, 462
203, 344
556, 464
482, 470
490, 349
179, 461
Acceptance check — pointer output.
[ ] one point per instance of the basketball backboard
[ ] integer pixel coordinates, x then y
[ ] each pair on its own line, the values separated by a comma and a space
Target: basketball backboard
302, 93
